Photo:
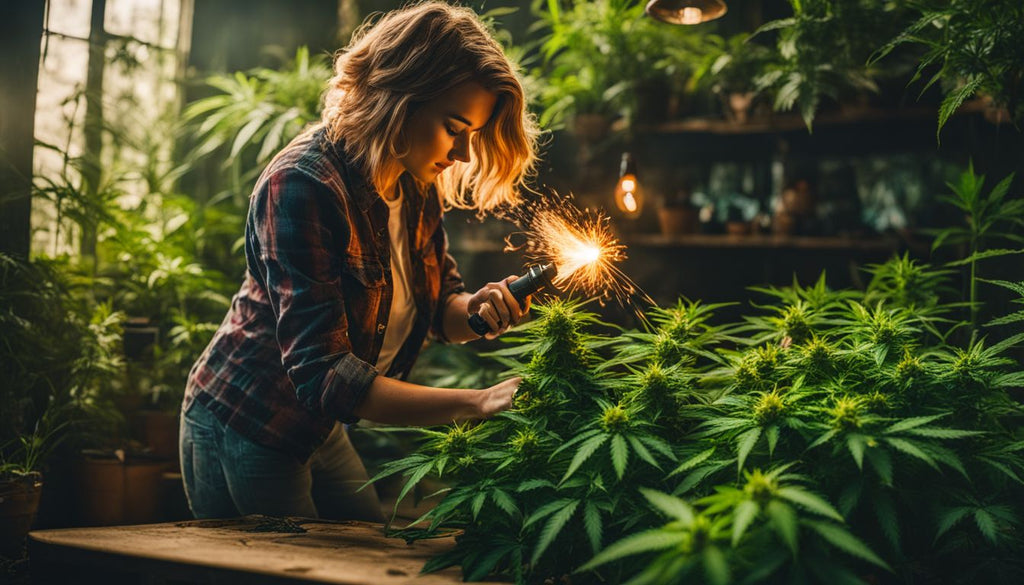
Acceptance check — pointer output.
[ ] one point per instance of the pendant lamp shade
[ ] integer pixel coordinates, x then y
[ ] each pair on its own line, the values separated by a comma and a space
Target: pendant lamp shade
685, 11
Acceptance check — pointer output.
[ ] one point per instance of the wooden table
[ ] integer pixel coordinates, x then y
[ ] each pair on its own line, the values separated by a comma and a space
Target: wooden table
250, 550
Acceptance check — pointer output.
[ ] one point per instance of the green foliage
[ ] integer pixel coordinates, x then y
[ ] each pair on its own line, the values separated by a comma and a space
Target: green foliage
822, 51
832, 436
57, 356
971, 47
264, 108
989, 218
596, 54
730, 65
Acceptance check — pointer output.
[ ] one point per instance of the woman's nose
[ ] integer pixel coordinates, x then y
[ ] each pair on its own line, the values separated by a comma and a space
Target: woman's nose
460, 150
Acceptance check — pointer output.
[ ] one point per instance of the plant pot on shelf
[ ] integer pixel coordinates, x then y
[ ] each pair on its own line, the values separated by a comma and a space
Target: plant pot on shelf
591, 128
114, 489
738, 106
738, 228
158, 430
678, 220
19, 502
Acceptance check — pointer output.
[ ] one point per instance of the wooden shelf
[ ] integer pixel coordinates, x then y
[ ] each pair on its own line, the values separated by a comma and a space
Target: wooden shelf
873, 244
760, 241
794, 122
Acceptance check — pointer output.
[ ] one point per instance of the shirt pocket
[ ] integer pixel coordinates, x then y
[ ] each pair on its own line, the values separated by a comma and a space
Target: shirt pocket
364, 271
432, 272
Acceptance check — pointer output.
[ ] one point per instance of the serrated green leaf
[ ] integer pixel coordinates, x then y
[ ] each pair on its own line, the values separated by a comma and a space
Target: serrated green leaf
545, 511
551, 530
504, 502
888, 519
619, 455
478, 503
716, 567
856, 444
911, 423
809, 501
744, 444
842, 539
671, 506
593, 525
649, 541
881, 462
585, 451
772, 434
642, 452
934, 433
784, 522
742, 517
949, 519
986, 524
693, 461
911, 448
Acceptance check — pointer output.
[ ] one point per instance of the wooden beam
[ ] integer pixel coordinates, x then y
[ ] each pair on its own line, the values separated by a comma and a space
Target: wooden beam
21, 31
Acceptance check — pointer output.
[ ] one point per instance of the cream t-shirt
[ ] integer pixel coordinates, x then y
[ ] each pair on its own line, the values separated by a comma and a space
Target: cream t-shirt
403, 307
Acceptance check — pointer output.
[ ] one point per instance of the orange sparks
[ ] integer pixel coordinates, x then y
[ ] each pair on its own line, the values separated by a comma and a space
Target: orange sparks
582, 247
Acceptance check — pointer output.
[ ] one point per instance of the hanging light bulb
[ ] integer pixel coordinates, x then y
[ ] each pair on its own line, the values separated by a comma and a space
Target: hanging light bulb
685, 11
628, 196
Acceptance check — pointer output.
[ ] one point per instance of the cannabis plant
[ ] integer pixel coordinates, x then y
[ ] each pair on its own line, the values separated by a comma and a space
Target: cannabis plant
972, 47
832, 436
822, 51
989, 219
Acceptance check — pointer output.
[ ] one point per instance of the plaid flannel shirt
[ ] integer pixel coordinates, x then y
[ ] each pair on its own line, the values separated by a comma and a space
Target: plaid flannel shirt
295, 352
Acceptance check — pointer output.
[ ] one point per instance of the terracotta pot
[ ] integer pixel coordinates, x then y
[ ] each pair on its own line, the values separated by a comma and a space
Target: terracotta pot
111, 492
678, 220
591, 127
737, 228
19, 502
739, 106
159, 431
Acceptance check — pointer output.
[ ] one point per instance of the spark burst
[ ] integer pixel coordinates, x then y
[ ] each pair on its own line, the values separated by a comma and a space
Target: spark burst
583, 249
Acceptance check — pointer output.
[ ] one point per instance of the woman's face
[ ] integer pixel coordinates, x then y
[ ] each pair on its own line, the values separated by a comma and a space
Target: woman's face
439, 131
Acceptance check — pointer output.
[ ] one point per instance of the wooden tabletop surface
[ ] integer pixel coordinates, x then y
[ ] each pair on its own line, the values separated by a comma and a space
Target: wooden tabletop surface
249, 549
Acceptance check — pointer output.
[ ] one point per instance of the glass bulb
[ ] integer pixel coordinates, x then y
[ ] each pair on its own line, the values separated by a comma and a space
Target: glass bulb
691, 15
628, 198
629, 202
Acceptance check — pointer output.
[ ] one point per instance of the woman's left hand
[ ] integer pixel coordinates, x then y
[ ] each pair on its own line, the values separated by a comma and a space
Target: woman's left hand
496, 305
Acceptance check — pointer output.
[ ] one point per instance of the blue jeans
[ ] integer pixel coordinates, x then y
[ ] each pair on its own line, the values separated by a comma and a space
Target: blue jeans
228, 475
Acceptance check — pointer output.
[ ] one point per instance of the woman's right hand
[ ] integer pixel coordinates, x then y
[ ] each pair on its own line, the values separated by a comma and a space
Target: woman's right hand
498, 398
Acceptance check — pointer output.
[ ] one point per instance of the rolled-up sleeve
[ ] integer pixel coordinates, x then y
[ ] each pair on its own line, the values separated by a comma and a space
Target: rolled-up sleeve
300, 231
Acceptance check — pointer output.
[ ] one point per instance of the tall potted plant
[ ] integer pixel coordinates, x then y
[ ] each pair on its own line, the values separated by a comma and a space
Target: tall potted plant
53, 359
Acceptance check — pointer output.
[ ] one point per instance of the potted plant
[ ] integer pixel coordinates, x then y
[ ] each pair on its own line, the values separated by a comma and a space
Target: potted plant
822, 50
677, 214
53, 358
976, 46
729, 69
604, 59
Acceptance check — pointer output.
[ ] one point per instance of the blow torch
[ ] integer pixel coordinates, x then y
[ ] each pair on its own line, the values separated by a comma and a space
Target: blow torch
536, 278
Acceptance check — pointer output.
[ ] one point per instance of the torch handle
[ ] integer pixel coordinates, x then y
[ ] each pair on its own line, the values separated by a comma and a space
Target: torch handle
534, 280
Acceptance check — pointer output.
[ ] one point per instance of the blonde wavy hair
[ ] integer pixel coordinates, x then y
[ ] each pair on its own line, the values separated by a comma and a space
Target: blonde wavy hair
409, 57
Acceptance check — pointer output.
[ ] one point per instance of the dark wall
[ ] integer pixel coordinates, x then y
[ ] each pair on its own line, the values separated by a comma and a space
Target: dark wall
20, 31
230, 35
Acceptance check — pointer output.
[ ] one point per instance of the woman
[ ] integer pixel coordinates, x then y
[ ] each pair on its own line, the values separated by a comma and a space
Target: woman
348, 270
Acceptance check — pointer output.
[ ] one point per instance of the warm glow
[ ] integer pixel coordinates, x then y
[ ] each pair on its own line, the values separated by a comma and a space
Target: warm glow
582, 248
627, 196
691, 15
629, 202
